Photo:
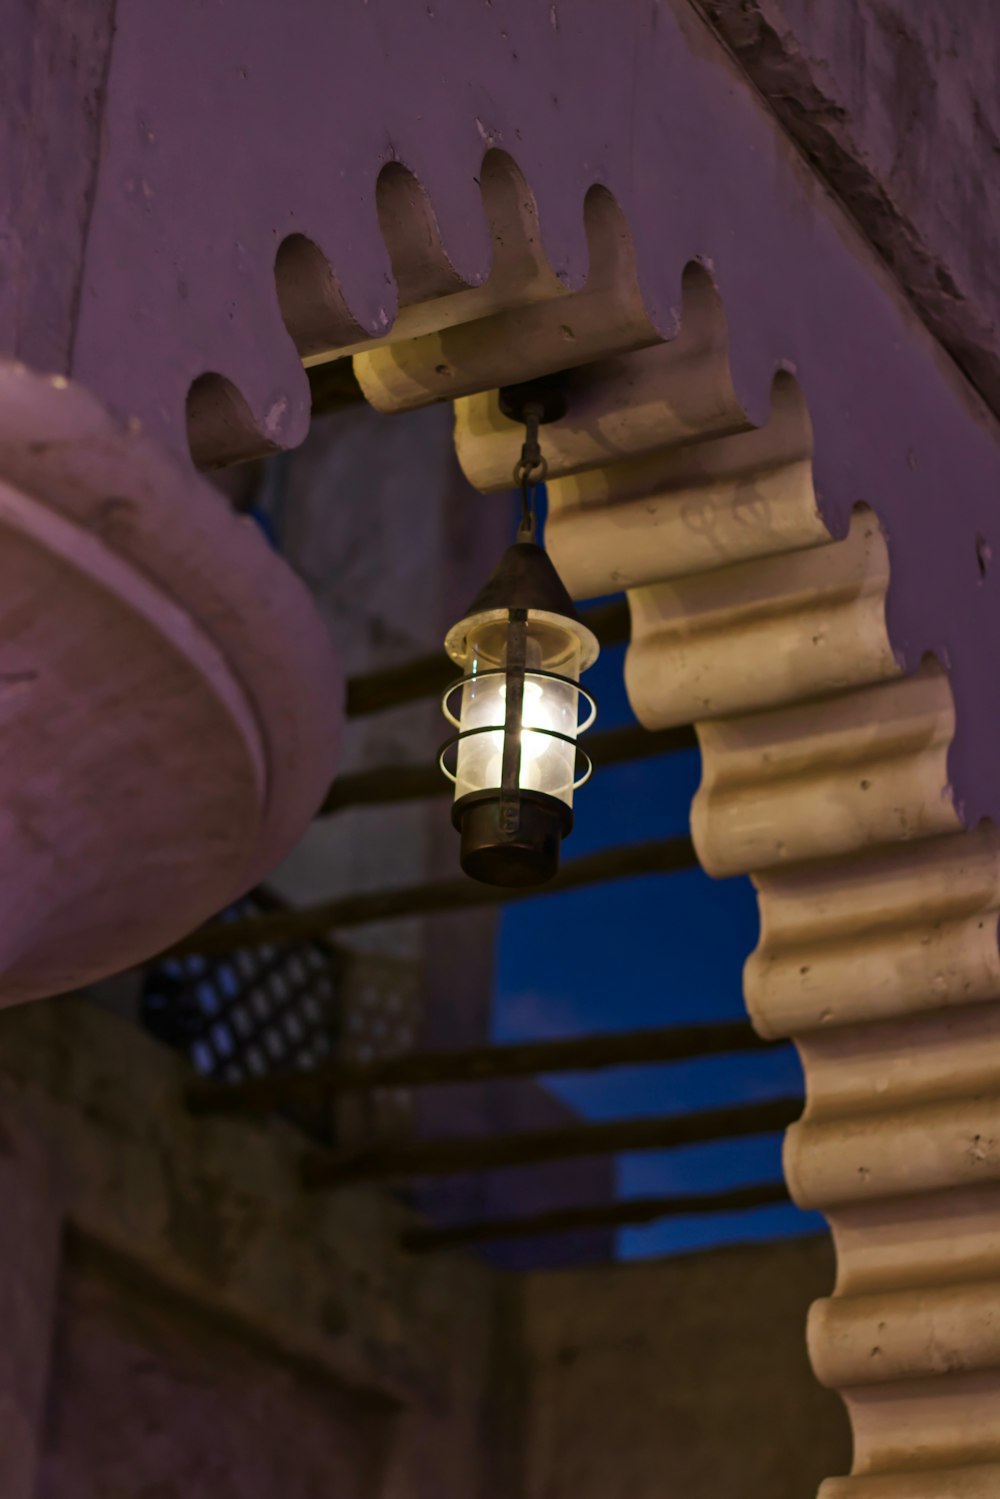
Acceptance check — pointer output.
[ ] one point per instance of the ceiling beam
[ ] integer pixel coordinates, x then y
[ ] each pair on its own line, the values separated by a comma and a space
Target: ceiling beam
478, 1064
298, 924
399, 1159
630, 1213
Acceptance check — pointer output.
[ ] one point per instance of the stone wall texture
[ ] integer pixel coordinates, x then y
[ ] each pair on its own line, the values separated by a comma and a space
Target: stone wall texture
184, 1321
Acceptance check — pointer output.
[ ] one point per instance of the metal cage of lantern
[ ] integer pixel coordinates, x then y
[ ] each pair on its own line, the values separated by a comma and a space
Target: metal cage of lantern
513, 731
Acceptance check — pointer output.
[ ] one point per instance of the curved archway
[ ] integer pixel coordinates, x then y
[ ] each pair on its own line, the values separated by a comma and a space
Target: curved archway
825, 770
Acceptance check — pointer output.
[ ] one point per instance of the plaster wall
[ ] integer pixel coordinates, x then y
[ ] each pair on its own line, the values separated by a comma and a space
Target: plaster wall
678, 1379
894, 427
280, 130
151, 1398
896, 105
183, 1321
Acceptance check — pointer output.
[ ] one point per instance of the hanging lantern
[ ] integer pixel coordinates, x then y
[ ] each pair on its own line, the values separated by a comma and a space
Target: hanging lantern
517, 707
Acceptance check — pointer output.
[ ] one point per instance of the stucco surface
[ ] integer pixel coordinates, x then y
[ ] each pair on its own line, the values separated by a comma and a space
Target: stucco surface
53, 71
824, 775
188, 1411
896, 105
171, 703
206, 1301
185, 1320
679, 1380
229, 129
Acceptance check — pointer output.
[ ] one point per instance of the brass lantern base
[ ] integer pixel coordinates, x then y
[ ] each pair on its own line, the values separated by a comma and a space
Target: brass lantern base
528, 854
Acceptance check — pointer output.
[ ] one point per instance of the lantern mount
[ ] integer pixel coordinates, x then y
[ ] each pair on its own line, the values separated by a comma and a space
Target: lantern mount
547, 394
533, 404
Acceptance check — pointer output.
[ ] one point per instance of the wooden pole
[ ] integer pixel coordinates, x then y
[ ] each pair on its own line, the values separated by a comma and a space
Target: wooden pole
447, 1157
662, 856
630, 1213
384, 784
395, 686
403, 783
478, 1064
429, 675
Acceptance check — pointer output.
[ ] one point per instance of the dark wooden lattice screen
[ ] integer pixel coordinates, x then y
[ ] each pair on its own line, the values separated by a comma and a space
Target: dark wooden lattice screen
250, 1012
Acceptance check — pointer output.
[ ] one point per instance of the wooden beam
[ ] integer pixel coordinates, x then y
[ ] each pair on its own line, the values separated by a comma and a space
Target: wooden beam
385, 784
404, 783
630, 1213
661, 856
478, 1064
426, 676
449, 1157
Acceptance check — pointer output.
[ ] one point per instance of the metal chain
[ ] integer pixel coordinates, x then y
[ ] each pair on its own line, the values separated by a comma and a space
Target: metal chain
529, 471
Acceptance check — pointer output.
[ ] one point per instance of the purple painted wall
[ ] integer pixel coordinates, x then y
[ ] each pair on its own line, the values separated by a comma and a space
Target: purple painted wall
53, 70
182, 1320
897, 106
228, 128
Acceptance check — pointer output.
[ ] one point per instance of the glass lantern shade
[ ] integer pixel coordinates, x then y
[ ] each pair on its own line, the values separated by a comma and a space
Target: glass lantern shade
548, 764
515, 760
